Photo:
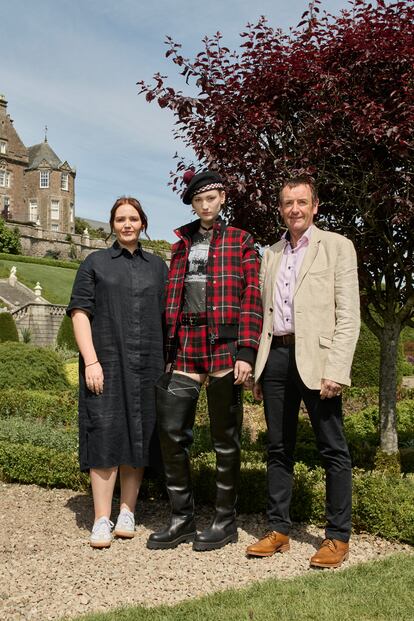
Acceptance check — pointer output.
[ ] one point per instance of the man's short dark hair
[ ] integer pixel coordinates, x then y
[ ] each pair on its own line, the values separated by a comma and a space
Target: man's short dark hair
293, 182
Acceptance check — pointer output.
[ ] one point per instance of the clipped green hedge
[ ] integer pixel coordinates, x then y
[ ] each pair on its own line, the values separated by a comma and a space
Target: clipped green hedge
382, 505
72, 265
28, 367
65, 337
8, 329
57, 407
26, 463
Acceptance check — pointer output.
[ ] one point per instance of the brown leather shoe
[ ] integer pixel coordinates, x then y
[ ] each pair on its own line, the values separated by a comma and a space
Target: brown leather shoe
332, 553
272, 542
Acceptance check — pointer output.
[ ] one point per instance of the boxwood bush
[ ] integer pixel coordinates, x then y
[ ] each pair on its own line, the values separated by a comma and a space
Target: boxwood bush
8, 329
65, 337
28, 367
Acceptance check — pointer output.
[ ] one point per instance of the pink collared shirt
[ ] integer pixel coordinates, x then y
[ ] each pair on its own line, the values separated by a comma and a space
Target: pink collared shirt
292, 258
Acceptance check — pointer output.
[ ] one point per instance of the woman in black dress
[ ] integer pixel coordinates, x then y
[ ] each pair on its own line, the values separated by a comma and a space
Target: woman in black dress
116, 308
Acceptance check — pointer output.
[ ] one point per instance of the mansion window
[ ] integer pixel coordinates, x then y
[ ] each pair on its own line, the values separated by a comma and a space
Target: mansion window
3, 146
5, 212
54, 210
64, 181
71, 213
54, 227
4, 178
44, 178
33, 213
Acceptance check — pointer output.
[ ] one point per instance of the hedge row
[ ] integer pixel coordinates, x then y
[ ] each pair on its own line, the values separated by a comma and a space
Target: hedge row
46, 434
72, 265
361, 428
382, 505
59, 408
26, 463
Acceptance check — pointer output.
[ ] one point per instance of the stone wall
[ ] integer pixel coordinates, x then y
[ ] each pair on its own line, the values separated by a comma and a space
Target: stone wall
36, 242
42, 320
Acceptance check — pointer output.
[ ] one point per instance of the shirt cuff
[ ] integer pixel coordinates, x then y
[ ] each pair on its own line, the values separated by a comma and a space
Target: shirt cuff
247, 354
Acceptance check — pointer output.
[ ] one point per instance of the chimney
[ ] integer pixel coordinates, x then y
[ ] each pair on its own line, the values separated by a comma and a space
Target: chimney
3, 106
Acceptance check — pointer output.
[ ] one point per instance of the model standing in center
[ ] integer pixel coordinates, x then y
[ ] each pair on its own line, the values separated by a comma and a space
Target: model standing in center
214, 318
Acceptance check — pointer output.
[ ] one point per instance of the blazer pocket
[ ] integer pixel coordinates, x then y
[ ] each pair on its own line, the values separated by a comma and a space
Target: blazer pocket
325, 341
323, 272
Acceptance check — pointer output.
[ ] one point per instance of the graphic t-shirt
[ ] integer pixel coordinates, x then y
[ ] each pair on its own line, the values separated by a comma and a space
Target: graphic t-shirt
196, 275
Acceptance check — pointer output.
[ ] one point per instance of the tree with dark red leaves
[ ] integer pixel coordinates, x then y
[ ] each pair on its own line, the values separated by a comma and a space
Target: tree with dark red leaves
333, 98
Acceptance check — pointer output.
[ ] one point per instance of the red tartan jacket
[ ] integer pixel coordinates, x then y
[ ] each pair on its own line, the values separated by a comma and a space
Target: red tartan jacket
233, 300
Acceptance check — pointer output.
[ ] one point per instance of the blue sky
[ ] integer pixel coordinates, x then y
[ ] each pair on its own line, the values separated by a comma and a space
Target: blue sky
73, 65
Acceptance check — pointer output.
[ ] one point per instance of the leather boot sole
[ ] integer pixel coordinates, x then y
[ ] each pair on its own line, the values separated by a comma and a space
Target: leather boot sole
330, 565
205, 546
282, 549
169, 545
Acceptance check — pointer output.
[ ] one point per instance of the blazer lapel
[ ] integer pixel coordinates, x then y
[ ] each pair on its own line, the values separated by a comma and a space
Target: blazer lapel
309, 257
277, 258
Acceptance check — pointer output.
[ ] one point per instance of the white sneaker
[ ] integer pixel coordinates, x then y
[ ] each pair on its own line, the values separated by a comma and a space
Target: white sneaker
125, 524
101, 535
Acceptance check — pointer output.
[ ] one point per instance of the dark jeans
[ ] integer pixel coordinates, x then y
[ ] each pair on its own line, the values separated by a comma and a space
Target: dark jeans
283, 390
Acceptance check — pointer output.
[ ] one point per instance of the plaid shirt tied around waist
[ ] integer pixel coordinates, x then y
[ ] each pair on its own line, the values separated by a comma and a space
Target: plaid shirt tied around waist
233, 301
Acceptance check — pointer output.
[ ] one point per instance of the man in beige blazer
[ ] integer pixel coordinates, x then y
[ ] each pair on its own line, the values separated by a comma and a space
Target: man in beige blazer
311, 322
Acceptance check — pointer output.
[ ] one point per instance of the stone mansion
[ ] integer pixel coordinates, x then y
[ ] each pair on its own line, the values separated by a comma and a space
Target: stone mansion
35, 185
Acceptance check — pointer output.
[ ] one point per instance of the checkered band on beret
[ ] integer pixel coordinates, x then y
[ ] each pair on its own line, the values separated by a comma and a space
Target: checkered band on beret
211, 186
202, 182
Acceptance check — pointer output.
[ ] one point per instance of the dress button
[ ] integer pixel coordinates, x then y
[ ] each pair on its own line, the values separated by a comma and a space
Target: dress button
270, 310
269, 334
214, 307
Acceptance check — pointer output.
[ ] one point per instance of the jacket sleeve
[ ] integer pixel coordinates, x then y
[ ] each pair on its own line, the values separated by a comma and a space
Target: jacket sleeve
347, 315
251, 315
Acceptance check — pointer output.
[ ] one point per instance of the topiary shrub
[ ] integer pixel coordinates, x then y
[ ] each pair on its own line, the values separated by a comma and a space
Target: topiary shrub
366, 362
8, 330
65, 337
24, 366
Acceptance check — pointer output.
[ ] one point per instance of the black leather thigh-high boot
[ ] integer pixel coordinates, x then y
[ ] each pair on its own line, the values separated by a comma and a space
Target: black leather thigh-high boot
176, 406
225, 409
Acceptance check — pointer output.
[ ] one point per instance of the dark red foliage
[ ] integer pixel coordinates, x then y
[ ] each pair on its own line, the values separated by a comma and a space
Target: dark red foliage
334, 98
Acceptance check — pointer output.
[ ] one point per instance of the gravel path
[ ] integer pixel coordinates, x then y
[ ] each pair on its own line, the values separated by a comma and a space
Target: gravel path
49, 570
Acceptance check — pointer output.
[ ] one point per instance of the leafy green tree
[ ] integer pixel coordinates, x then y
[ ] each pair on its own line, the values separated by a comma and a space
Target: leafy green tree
9, 239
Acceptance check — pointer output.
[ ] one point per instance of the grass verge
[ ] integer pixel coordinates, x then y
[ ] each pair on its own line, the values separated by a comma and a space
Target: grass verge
380, 591
56, 282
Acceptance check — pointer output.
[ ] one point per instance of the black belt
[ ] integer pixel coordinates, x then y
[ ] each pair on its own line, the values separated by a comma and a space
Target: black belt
193, 319
283, 340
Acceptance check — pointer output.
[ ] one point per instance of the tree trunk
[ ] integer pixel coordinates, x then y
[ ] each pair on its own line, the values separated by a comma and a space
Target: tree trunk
388, 387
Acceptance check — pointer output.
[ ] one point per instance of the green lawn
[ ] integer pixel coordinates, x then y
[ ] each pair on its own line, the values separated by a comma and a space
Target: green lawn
56, 282
380, 591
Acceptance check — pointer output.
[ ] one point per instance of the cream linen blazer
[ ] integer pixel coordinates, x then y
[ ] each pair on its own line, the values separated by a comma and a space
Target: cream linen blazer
325, 308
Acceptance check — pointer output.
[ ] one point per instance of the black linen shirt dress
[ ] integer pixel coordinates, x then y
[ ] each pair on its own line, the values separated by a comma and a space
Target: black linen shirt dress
124, 297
